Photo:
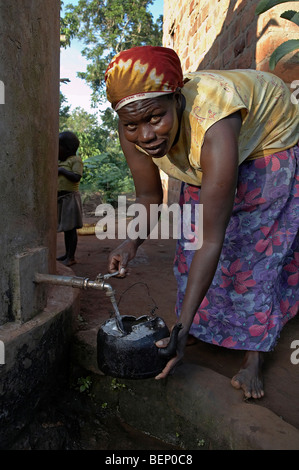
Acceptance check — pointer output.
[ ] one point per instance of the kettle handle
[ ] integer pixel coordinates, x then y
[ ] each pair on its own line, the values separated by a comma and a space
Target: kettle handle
170, 350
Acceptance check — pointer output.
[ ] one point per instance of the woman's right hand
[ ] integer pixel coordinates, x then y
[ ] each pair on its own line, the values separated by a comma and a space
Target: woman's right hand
119, 258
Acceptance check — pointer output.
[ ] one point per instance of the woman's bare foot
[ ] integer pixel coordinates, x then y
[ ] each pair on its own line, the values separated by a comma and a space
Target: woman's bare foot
249, 377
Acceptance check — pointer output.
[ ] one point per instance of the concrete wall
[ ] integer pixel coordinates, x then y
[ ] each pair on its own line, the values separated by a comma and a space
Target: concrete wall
37, 362
226, 34
29, 70
35, 320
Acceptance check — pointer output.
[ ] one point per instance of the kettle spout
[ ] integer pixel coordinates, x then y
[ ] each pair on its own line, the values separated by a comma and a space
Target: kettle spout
170, 350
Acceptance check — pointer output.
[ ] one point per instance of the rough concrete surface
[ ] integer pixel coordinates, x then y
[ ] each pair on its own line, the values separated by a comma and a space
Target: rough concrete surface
36, 361
29, 65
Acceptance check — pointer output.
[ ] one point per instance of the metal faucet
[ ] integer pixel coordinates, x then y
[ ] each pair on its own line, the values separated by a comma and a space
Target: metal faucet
84, 283
77, 282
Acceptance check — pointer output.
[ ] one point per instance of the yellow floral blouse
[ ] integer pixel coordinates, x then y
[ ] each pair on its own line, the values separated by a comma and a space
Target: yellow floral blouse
270, 121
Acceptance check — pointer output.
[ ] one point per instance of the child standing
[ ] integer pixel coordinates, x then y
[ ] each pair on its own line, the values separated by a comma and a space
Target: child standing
69, 204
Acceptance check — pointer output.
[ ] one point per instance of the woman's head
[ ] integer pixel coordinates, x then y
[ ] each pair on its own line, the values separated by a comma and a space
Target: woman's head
141, 73
152, 124
143, 84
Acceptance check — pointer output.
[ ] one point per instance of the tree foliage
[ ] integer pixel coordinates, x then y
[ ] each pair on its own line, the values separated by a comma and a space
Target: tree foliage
105, 167
86, 127
265, 5
106, 27
64, 109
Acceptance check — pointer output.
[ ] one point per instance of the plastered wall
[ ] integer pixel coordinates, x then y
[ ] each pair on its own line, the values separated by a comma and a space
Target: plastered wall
29, 71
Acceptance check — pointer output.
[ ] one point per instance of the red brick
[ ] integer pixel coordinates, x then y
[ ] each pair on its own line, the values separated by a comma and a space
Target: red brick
191, 7
225, 39
205, 12
251, 37
216, 64
239, 46
227, 56
265, 46
238, 35
234, 31
245, 60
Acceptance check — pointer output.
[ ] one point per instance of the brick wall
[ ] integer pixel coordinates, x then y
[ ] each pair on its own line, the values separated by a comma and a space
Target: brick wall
226, 34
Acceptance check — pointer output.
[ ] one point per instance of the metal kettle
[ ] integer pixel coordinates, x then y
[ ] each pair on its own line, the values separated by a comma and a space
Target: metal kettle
133, 353
126, 346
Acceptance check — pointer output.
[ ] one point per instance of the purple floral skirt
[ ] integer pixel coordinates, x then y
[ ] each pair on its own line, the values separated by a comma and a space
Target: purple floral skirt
255, 291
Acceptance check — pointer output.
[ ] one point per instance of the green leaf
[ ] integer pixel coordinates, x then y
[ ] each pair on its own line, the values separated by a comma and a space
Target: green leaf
265, 5
282, 50
291, 15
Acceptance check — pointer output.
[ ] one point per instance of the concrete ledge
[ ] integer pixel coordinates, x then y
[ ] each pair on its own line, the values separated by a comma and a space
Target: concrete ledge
195, 409
206, 399
37, 360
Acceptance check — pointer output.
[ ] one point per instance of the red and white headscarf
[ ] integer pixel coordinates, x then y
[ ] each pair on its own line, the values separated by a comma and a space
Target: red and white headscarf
142, 72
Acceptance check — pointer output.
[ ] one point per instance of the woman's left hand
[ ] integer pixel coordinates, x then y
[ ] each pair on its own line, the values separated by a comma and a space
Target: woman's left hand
162, 343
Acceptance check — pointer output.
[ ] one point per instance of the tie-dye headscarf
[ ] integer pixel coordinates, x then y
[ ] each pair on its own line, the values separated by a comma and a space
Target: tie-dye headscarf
142, 72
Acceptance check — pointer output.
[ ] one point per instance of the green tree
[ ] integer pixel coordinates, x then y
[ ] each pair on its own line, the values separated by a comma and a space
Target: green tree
64, 110
106, 27
107, 173
287, 46
105, 167
86, 127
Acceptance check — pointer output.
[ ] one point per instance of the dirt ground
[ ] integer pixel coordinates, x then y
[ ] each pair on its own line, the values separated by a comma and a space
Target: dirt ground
151, 286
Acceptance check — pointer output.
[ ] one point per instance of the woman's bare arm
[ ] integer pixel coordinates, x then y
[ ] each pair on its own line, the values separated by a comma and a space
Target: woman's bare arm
149, 191
219, 162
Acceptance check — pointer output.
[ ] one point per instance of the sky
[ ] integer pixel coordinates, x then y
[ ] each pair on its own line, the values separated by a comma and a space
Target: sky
77, 92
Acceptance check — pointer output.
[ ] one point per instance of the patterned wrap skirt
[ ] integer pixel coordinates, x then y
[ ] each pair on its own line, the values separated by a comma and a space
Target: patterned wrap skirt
69, 211
255, 290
